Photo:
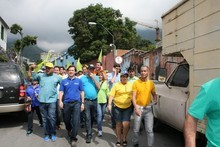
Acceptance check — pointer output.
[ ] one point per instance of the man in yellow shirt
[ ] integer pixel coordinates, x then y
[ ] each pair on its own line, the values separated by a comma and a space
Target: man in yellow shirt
142, 89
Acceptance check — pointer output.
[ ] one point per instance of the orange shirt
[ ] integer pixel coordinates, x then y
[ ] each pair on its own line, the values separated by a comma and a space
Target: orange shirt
143, 90
103, 71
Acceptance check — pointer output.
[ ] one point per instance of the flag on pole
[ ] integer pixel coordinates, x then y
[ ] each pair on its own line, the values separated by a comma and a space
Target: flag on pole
78, 65
55, 62
40, 65
100, 56
68, 64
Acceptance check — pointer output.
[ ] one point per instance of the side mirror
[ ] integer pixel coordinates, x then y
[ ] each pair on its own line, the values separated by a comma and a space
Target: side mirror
162, 75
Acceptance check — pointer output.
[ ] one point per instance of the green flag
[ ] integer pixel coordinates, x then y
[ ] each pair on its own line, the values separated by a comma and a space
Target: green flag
100, 56
55, 62
78, 65
68, 64
40, 65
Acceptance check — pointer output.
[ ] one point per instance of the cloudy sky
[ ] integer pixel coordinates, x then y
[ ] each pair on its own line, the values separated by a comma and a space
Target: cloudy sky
48, 19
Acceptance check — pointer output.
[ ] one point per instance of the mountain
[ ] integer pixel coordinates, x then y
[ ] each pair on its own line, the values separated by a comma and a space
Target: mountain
31, 52
149, 34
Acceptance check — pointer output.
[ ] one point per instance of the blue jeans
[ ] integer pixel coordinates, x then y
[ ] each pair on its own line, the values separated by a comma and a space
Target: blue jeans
100, 114
122, 115
113, 119
90, 112
147, 115
58, 114
71, 115
48, 113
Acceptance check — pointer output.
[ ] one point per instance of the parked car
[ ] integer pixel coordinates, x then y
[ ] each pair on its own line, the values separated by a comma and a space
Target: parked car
12, 88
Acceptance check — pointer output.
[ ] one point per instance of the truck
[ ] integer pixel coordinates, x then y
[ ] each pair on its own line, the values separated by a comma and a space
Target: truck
191, 30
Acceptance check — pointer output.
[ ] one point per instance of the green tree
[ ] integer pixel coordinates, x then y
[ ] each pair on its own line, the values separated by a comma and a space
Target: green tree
25, 41
90, 39
145, 45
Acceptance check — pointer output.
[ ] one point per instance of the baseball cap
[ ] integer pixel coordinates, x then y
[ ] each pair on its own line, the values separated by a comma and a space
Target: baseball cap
124, 73
91, 67
49, 64
43, 68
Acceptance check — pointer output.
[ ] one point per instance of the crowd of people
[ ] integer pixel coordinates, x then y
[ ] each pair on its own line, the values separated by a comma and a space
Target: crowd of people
83, 97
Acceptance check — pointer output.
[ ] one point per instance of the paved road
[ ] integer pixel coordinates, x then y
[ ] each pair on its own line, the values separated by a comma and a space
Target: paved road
13, 133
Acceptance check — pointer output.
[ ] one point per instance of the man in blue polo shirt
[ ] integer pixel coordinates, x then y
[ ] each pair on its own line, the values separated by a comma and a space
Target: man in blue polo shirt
71, 98
91, 87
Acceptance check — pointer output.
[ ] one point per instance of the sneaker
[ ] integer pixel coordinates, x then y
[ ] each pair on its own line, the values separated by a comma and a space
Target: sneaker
46, 138
136, 145
88, 139
100, 134
53, 138
73, 143
29, 132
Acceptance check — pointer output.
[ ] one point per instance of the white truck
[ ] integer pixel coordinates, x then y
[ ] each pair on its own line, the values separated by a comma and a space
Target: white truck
191, 29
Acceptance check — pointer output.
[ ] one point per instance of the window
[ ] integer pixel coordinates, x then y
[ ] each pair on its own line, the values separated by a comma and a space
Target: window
8, 74
180, 77
2, 32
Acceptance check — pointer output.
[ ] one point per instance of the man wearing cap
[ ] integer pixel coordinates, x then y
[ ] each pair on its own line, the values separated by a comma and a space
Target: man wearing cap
91, 86
48, 82
32, 92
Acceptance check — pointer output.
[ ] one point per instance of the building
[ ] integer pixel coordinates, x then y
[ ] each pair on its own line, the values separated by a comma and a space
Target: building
3, 32
108, 60
64, 60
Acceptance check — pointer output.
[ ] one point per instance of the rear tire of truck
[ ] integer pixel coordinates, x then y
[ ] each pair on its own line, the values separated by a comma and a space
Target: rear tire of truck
22, 115
158, 125
201, 140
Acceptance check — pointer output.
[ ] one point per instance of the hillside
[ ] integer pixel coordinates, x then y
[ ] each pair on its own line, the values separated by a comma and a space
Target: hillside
31, 52
149, 34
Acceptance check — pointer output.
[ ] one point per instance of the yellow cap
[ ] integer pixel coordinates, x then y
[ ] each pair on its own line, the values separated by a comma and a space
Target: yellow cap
49, 64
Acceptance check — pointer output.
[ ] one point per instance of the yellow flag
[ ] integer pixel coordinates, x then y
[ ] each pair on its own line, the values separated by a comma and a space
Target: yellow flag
68, 64
55, 62
40, 65
100, 56
78, 65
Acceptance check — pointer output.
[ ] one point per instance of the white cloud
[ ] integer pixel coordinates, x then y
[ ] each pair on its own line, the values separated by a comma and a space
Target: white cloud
48, 19
56, 46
